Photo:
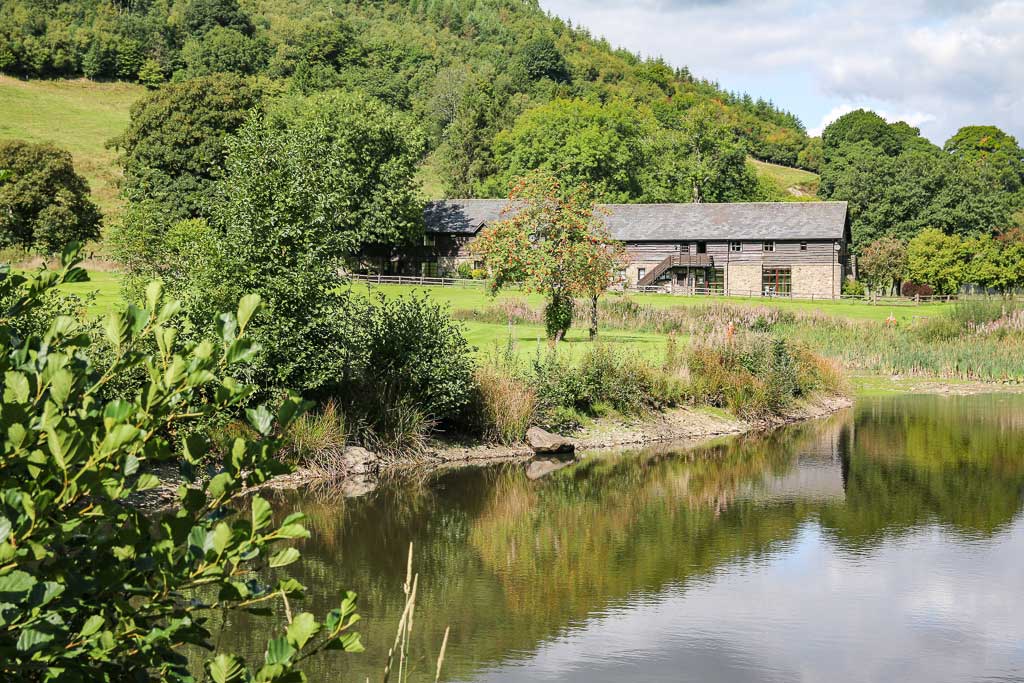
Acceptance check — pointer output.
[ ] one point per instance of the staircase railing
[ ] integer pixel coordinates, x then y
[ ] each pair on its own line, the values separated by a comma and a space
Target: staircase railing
676, 261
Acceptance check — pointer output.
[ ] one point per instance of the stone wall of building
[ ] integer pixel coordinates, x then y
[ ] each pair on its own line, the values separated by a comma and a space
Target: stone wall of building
817, 280
743, 278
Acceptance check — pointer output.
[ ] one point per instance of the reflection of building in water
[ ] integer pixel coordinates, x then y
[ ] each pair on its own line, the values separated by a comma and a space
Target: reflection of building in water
818, 471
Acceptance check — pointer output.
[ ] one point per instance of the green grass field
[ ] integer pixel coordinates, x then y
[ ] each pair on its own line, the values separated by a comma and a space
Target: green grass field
475, 298
79, 116
867, 349
795, 183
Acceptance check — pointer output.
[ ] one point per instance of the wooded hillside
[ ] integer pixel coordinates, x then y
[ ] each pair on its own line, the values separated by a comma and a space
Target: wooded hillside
466, 69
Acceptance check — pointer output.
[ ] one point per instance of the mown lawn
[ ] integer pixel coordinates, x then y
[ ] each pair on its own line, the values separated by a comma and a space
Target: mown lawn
77, 115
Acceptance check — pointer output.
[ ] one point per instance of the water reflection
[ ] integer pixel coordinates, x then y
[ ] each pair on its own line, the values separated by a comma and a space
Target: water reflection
883, 543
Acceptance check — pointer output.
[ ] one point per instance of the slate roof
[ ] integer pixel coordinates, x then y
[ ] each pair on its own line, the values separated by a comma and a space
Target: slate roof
670, 222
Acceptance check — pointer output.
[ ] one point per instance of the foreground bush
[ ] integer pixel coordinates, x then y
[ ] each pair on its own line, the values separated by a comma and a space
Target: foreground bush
91, 587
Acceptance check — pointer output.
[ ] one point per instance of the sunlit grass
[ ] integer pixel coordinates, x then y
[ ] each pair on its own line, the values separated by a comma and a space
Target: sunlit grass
77, 115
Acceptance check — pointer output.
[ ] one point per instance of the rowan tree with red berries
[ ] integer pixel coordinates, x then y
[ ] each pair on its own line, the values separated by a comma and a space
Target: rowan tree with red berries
551, 241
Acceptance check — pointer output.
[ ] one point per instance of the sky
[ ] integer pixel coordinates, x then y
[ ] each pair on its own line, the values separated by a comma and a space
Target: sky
936, 64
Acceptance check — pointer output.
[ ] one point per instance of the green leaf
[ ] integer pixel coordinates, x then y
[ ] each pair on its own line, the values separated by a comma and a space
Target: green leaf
170, 309
261, 512
16, 387
292, 408
241, 350
221, 537
116, 328
219, 484
15, 584
60, 386
249, 304
285, 557
260, 418
225, 668
147, 481
303, 627
292, 531
30, 639
91, 626
227, 327
279, 651
5, 528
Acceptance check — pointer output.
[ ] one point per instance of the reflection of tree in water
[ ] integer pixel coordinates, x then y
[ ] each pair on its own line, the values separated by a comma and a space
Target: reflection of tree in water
926, 460
509, 563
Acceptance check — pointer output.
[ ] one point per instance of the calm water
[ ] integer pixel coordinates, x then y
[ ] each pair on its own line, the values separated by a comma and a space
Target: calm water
884, 544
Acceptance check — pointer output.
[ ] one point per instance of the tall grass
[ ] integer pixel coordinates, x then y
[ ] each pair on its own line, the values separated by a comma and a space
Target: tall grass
317, 441
973, 340
755, 375
506, 405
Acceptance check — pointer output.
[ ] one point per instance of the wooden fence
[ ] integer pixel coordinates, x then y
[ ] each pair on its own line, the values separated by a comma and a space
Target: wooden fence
662, 289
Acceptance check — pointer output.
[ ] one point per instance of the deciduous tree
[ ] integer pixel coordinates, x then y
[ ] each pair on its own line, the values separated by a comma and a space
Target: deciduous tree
44, 203
937, 259
883, 264
550, 241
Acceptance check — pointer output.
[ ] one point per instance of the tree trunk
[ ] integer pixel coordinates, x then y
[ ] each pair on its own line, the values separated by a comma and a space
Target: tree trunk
593, 317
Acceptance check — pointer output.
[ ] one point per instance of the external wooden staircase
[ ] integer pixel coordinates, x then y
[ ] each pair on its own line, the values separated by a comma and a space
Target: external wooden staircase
675, 261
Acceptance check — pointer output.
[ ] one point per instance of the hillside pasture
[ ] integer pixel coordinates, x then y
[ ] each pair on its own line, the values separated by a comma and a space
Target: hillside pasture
80, 116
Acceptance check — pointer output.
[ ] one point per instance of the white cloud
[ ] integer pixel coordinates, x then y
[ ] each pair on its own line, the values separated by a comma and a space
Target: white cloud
942, 63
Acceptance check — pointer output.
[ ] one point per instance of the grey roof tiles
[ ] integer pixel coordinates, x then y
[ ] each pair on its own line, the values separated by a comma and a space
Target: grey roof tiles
669, 222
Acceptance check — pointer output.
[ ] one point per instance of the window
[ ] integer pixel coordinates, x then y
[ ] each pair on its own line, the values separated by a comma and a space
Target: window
478, 265
735, 246
684, 248
769, 246
776, 282
715, 281
640, 272
429, 240
803, 246
702, 247
620, 275
428, 269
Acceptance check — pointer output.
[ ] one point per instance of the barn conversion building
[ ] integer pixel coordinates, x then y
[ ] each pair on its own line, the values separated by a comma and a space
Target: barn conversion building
778, 249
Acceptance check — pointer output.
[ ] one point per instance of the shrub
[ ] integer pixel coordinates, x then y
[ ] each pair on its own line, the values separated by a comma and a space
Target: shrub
602, 379
912, 289
405, 356
464, 270
853, 288
95, 589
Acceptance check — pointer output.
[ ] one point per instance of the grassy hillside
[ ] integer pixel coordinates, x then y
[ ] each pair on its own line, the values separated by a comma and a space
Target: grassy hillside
795, 183
79, 116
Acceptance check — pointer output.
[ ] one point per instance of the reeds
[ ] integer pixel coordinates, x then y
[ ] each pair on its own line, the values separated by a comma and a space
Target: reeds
403, 637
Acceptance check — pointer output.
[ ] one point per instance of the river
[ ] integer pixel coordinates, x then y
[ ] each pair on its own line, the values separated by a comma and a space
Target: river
884, 543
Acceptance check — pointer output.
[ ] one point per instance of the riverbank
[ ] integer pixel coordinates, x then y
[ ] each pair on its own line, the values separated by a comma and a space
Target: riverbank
689, 425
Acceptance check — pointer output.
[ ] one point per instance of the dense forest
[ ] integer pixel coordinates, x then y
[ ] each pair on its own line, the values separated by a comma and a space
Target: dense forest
468, 71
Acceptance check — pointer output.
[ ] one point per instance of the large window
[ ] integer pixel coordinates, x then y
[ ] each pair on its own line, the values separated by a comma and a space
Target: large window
716, 281
429, 269
776, 282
